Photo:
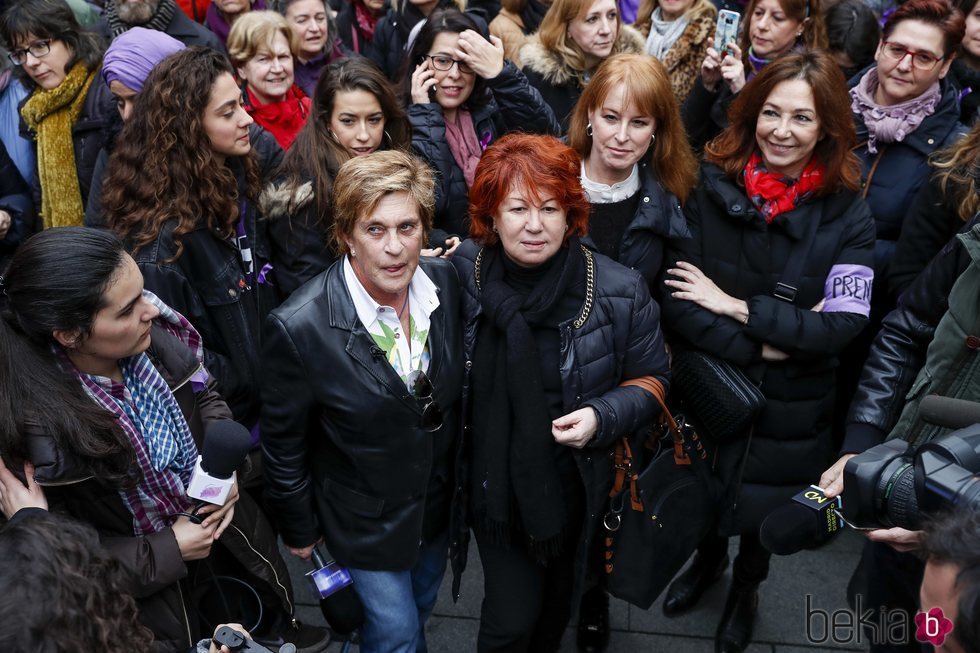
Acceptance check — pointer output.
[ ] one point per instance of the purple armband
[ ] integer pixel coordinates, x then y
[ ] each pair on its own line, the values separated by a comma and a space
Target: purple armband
848, 290
199, 380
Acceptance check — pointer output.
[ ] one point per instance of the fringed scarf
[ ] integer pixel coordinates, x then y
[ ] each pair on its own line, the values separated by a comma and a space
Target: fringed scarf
50, 115
891, 124
516, 485
773, 194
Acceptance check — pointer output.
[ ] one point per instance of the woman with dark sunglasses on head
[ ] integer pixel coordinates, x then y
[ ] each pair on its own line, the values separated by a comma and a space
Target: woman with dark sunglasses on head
362, 374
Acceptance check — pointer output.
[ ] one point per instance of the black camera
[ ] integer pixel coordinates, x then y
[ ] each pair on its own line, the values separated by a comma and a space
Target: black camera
893, 485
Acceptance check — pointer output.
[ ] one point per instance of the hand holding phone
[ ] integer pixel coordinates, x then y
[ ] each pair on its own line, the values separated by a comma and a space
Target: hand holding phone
423, 83
726, 32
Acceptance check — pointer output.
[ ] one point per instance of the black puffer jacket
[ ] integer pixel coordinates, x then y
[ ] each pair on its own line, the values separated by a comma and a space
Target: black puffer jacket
899, 351
157, 571
705, 113
87, 136
745, 257
657, 218
615, 337
15, 199
514, 105
344, 456
387, 49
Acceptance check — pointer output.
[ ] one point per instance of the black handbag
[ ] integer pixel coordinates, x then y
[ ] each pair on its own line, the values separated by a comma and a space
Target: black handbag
657, 517
721, 400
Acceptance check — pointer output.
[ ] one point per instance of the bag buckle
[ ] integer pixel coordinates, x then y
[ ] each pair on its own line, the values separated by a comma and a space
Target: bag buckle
785, 292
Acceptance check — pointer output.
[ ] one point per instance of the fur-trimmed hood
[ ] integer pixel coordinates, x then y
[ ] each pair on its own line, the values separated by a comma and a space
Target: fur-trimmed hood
280, 200
555, 70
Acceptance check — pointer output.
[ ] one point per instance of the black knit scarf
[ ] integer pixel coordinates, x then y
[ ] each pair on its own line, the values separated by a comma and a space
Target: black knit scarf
159, 21
513, 464
532, 15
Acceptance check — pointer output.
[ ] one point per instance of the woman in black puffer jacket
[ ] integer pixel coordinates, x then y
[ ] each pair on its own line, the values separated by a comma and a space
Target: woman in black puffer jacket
778, 188
551, 329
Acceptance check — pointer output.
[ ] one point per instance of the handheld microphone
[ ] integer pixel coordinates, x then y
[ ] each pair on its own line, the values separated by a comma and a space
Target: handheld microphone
948, 412
809, 521
226, 444
339, 602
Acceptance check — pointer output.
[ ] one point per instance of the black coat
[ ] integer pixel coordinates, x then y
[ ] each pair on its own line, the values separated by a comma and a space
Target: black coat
514, 105
615, 337
344, 456
387, 49
658, 217
153, 561
15, 199
705, 113
181, 27
745, 257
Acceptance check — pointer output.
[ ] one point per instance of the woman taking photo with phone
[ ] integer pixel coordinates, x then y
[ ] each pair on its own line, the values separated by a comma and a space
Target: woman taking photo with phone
773, 28
774, 281
463, 96
355, 112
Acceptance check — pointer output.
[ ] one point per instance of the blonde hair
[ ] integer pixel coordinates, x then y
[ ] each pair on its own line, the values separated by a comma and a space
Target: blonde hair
255, 30
364, 181
958, 171
647, 87
647, 7
553, 32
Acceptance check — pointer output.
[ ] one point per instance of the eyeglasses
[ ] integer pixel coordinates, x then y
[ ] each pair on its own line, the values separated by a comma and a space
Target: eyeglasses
37, 48
920, 60
422, 391
444, 63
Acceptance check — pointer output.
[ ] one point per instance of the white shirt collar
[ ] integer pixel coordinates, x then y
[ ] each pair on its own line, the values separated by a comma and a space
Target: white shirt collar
604, 194
423, 297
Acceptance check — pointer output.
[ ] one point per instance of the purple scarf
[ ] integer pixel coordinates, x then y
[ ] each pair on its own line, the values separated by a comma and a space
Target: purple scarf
893, 123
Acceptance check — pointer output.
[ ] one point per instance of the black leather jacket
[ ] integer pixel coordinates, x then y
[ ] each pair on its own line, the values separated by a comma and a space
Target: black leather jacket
344, 456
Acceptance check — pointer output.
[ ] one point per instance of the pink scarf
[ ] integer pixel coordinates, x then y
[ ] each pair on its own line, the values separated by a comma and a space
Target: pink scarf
461, 136
890, 124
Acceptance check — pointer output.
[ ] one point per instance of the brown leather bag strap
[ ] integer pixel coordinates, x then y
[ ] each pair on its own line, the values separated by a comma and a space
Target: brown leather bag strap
653, 386
623, 465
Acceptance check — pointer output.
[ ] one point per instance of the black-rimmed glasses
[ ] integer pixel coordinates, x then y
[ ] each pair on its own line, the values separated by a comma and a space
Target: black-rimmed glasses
37, 48
422, 391
443, 63
920, 60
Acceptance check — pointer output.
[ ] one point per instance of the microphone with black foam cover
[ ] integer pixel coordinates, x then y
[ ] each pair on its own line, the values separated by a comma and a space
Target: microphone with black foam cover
339, 602
949, 412
226, 444
807, 522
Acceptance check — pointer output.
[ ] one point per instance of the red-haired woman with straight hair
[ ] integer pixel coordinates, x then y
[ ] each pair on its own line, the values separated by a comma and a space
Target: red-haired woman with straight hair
551, 329
775, 281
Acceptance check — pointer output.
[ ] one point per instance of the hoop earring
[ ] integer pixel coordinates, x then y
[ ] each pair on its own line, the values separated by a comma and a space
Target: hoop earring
391, 143
653, 137
588, 130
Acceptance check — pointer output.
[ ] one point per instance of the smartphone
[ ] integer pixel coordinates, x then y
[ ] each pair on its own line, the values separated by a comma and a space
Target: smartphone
726, 32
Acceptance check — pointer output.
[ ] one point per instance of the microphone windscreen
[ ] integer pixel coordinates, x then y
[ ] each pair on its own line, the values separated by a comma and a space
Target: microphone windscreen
792, 528
226, 443
948, 412
343, 611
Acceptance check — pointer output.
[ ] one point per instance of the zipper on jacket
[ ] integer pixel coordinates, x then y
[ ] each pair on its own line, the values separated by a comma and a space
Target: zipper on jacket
63, 483
271, 566
182, 383
187, 620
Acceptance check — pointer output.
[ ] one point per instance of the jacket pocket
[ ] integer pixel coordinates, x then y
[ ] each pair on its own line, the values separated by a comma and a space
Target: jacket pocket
920, 386
359, 504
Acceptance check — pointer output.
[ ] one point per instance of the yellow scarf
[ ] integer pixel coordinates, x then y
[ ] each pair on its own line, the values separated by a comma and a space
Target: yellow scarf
51, 115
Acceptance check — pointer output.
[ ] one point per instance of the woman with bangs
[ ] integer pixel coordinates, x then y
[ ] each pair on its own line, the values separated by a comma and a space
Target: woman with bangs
355, 112
550, 331
261, 47
775, 280
179, 191
637, 168
768, 30
574, 38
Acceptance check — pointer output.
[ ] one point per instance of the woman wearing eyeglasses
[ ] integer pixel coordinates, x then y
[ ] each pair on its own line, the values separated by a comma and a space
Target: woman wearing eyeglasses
68, 107
463, 95
362, 371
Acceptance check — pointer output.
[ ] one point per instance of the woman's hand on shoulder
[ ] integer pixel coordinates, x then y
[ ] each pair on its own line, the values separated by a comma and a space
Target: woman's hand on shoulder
576, 428
14, 495
691, 284
733, 70
423, 81
486, 58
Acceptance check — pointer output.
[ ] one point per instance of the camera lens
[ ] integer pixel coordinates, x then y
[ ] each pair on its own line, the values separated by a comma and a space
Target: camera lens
897, 492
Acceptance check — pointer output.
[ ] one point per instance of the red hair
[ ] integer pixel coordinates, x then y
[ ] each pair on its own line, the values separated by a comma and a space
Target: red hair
542, 166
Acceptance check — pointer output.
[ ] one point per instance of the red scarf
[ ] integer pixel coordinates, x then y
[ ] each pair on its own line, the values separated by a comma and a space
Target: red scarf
366, 21
773, 194
281, 119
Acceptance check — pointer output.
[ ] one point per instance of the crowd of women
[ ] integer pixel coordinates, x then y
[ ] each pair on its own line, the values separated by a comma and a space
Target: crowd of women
430, 255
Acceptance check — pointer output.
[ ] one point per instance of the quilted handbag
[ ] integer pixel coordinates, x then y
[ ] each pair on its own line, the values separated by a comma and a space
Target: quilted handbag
658, 516
721, 401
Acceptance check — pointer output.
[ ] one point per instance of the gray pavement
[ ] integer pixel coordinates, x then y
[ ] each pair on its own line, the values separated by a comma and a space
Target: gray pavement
781, 627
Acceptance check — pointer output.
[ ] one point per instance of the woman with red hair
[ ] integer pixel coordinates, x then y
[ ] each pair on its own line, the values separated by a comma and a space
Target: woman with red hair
550, 331
776, 281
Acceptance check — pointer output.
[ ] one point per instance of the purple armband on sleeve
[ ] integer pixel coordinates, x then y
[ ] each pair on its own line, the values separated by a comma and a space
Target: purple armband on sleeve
848, 290
200, 380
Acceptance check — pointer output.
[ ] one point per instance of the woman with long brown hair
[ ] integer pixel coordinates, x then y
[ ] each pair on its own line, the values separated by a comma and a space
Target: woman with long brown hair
191, 223
775, 281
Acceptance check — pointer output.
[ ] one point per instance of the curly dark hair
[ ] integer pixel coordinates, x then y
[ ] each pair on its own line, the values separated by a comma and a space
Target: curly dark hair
62, 592
163, 167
